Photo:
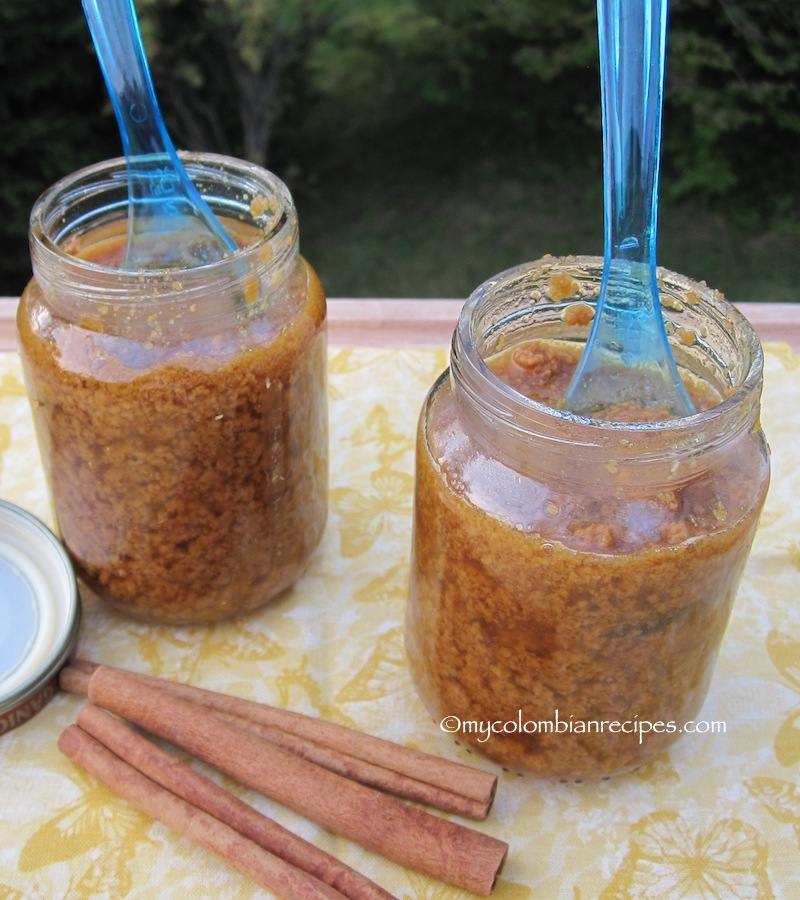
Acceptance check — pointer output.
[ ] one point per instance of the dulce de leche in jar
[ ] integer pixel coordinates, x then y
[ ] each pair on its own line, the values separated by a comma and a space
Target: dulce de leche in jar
572, 578
180, 412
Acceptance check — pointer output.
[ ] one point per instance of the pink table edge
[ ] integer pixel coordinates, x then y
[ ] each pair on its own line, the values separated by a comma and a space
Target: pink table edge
406, 322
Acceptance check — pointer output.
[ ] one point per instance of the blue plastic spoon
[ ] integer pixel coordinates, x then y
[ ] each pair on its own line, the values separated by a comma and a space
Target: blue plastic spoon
169, 223
627, 357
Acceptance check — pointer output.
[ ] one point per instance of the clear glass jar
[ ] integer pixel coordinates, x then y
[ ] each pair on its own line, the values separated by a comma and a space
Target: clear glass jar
571, 578
181, 414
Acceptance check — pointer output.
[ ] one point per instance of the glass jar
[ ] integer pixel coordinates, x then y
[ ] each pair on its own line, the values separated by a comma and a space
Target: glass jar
572, 578
181, 414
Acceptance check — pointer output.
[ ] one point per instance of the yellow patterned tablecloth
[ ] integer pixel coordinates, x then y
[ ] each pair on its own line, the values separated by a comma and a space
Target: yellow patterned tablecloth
717, 816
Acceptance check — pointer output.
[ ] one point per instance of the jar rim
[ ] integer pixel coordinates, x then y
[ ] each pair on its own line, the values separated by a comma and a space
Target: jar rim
49, 232
471, 366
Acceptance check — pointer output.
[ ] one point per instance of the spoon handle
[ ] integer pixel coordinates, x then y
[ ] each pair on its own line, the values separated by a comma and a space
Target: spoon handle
632, 36
169, 223
118, 42
627, 355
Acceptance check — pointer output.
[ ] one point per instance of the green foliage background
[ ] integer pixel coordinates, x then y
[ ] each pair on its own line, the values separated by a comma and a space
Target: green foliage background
51, 97
431, 143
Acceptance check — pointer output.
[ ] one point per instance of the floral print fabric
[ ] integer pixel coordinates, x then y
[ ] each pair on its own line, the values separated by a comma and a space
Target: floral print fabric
716, 816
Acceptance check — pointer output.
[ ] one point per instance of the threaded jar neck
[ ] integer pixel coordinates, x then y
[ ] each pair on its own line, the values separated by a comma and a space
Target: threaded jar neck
91, 205
529, 302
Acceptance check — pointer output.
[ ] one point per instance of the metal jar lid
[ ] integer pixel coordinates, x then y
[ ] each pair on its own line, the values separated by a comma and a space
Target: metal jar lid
39, 614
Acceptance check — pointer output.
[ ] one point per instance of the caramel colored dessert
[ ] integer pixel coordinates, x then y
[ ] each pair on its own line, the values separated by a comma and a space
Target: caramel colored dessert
189, 477
531, 598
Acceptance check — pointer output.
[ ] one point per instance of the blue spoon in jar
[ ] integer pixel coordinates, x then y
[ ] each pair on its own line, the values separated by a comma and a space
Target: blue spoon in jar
169, 223
627, 358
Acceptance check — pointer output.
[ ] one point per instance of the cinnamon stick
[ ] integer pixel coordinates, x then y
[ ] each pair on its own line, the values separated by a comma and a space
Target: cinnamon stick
184, 781
76, 681
364, 772
379, 822
447, 775
264, 868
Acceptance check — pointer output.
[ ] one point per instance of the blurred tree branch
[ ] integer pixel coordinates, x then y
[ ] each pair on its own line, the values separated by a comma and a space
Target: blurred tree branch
235, 54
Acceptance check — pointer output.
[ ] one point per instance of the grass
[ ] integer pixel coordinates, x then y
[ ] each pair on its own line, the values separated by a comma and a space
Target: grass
433, 231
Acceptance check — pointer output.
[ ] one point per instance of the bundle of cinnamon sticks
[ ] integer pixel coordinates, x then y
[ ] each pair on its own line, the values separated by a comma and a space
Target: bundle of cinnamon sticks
347, 781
